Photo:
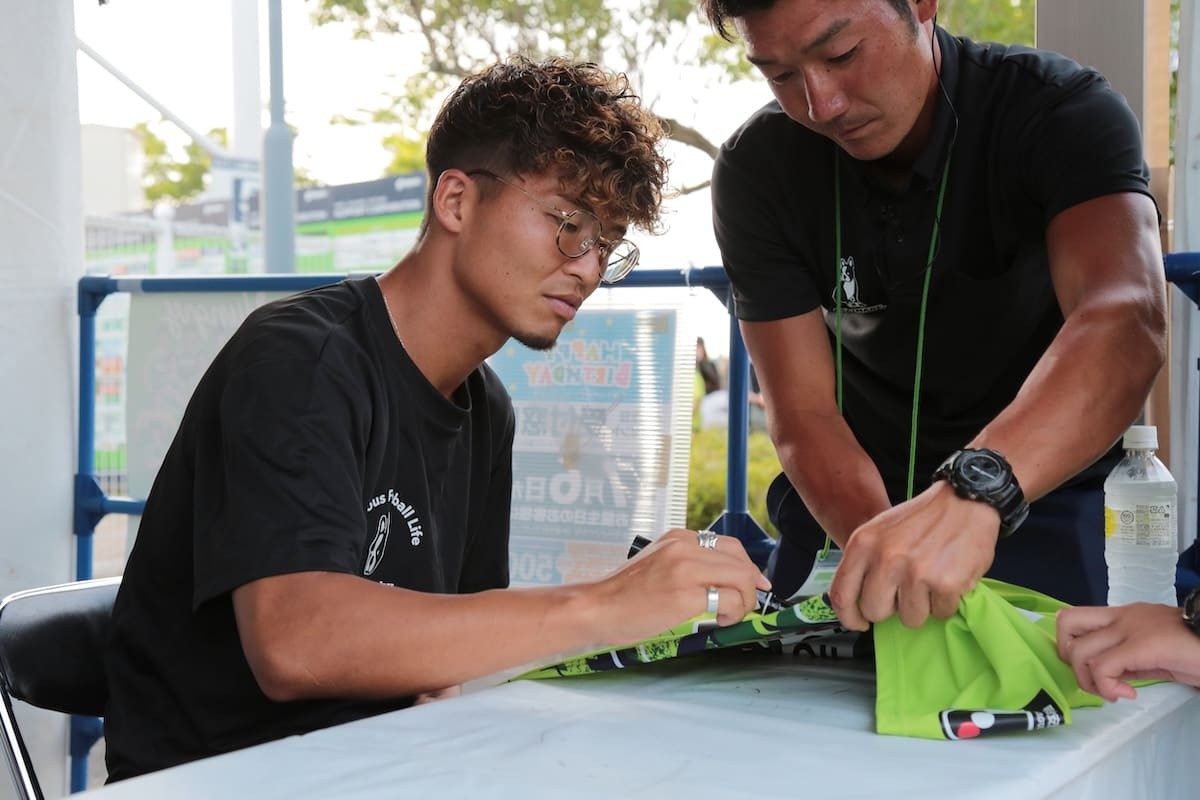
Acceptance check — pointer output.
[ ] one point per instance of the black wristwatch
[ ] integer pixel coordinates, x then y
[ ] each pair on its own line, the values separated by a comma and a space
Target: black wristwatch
1191, 611
986, 476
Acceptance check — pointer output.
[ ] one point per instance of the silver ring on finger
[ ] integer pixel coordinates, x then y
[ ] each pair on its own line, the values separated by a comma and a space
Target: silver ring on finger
714, 601
707, 539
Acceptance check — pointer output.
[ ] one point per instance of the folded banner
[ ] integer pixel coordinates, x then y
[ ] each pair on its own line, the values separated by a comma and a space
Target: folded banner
992, 667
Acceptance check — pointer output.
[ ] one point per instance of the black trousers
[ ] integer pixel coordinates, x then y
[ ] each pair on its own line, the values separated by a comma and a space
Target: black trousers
1058, 551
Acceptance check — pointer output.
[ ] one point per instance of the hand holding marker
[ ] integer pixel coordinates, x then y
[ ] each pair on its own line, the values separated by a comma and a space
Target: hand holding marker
767, 602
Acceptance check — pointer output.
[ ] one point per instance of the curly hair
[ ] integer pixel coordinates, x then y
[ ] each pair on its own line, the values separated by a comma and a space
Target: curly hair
719, 12
522, 117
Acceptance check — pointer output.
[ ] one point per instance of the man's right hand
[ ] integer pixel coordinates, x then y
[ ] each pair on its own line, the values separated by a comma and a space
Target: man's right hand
668, 582
916, 559
304, 634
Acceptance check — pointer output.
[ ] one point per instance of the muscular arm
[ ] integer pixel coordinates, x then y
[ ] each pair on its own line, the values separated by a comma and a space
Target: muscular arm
324, 634
839, 483
923, 555
1106, 265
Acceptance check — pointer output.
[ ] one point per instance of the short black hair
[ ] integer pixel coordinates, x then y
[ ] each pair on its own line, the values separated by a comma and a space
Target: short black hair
719, 12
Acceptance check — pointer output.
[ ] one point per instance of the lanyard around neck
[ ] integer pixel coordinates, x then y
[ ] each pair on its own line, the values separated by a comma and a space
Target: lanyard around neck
839, 291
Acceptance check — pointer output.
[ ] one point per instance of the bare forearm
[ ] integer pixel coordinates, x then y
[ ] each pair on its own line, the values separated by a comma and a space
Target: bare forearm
1106, 265
324, 634
354, 638
838, 482
1086, 390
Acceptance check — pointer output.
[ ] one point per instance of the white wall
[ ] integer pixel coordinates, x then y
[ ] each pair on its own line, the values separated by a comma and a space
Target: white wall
1185, 322
40, 260
112, 170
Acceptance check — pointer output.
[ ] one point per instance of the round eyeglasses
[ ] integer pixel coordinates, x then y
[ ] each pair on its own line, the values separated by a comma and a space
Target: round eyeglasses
579, 231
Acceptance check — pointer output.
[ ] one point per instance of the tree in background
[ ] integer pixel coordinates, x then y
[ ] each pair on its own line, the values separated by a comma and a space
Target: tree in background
408, 153
1006, 21
168, 177
458, 37
669, 54
664, 46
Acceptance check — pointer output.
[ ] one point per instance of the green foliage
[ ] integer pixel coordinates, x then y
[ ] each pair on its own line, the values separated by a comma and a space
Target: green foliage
706, 477
1014, 22
459, 37
408, 154
303, 179
1006, 21
717, 50
167, 177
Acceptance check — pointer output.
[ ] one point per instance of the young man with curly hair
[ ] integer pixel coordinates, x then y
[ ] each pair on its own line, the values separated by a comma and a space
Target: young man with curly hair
327, 538
946, 264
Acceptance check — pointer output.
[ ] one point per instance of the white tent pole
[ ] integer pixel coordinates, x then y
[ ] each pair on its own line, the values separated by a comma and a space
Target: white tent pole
41, 226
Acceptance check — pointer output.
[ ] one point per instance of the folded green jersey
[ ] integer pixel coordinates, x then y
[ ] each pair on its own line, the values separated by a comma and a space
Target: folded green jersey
992, 667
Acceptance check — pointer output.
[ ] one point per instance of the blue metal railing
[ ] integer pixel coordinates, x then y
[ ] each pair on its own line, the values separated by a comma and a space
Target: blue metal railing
92, 504
1183, 270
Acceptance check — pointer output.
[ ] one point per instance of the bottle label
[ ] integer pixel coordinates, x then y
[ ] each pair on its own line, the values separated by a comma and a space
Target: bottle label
1143, 524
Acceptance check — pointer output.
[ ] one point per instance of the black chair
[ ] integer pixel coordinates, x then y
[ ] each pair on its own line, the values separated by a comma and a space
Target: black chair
51, 656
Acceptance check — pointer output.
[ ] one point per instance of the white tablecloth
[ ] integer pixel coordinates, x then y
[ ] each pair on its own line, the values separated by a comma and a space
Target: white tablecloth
708, 727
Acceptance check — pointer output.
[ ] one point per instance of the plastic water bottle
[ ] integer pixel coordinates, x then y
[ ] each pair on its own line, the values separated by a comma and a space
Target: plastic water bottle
1140, 527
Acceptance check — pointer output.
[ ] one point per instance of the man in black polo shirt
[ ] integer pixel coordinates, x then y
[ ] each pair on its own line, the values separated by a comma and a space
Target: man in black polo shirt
945, 258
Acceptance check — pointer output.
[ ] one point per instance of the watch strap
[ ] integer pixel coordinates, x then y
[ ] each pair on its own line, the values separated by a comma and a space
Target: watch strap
1191, 611
1008, 500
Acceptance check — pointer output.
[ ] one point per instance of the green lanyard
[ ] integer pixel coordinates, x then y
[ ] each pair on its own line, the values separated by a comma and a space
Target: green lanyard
837, 275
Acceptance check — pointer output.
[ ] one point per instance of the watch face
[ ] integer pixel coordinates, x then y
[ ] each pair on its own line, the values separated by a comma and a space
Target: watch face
982, 471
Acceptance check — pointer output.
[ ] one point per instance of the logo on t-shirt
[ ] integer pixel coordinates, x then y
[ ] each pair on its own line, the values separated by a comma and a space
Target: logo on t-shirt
383, 526
847, 286
375, 553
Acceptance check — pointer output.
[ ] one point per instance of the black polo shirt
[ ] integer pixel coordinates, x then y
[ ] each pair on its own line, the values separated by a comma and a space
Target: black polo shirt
1029, 134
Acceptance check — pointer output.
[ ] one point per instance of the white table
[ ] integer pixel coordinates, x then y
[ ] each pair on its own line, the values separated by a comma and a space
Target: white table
708, 727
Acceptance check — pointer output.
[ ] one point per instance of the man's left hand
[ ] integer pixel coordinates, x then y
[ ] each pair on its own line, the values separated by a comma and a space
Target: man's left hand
915, 559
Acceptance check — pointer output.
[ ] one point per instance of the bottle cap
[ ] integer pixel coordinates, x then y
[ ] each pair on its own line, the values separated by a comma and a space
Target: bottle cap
1141, 437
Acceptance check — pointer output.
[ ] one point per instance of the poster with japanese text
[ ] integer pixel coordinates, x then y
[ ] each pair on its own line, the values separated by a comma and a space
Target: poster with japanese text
602, 436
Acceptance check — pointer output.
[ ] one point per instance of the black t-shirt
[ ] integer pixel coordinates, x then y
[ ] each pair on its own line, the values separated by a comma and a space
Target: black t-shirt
311, 443
1035, 134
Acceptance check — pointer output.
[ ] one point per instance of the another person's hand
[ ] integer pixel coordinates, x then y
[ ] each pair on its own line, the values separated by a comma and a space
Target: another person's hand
1108, 647
916, 559
668, 582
